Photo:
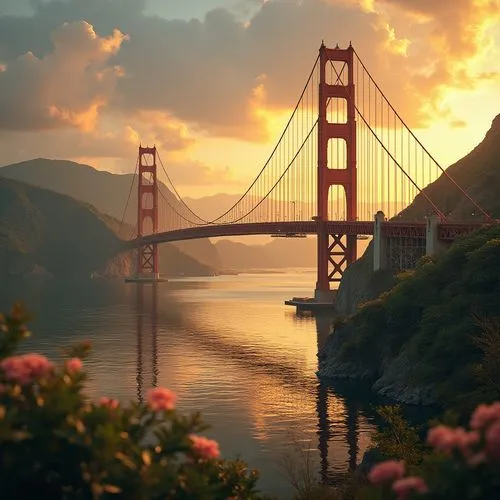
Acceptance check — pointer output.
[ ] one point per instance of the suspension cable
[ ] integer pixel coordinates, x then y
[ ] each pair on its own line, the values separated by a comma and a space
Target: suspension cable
177, 193
266, 163
129, 194
281, 176
400, 167
392, 157
444, 171
189, 221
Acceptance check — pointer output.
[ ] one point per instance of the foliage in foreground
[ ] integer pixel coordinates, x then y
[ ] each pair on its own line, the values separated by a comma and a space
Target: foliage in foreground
56, 444
454, 463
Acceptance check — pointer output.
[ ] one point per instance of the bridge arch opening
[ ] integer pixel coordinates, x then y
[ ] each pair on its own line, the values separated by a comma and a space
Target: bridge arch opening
337, 203
337, 153
336, 110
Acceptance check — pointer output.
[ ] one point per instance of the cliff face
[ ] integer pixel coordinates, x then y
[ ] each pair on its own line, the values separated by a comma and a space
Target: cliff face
360, 284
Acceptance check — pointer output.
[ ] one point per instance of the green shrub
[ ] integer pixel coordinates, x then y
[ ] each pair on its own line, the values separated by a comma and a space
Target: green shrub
458, 463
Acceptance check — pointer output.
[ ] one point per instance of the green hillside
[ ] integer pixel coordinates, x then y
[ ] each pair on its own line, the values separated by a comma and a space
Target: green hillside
105, 191
45, 234
419, 341
40, 228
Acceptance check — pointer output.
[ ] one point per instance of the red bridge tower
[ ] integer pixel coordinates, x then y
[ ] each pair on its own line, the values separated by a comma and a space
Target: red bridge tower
147, 209
335, 251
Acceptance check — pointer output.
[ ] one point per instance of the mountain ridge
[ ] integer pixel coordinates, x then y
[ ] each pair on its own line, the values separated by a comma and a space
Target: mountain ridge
46, 235
105, 191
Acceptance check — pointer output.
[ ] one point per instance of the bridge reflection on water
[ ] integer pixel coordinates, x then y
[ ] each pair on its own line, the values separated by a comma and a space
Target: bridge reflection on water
337, 416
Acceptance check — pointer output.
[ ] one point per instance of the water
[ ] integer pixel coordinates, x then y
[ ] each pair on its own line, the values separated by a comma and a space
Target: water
228, 347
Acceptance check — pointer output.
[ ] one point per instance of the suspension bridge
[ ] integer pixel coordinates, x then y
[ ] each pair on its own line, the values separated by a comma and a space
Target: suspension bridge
344, 155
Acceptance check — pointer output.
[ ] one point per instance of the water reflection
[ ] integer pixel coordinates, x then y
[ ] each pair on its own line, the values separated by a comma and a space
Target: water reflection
346, 413
338, 429
146, 309
230, 349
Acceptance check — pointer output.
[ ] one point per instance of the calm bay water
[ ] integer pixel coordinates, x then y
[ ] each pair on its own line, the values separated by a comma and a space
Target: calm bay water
230, 348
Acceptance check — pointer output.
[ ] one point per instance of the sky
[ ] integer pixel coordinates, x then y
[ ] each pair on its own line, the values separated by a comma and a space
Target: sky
88, 80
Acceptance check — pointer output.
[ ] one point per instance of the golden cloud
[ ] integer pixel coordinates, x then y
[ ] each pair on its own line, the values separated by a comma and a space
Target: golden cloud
68, 86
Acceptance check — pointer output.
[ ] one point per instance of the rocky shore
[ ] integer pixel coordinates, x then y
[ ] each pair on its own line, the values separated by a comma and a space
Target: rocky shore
396, 381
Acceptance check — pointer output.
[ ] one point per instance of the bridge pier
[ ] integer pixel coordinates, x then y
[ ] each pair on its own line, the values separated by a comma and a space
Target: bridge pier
401, 250
379, 243
433, 245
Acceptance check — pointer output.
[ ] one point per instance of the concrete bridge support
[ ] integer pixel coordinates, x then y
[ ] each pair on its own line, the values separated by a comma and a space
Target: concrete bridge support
380, 260
433, 245
401, 252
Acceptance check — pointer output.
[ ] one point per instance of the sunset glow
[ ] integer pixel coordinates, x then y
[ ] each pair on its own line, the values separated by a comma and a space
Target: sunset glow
99, 81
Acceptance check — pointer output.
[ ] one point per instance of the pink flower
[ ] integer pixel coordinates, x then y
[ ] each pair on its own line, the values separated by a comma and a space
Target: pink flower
26, 368
485, 415
74, 365
403, 487
441, 438
110, 403
386, 471
493, 441
204, 447
161, 399
446, 439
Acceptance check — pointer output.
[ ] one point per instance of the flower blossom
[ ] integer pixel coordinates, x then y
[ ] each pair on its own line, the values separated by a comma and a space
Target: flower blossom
403, 487
386, 471
26, 368
446, 439
204, 447
484, 415
493, 441
161, 399
109, 402
74, 365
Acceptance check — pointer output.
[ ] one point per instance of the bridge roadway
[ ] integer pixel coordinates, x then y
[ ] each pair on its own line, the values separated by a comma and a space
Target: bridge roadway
448, 231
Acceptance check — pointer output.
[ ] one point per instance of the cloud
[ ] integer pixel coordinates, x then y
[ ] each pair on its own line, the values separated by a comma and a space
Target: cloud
448, 44
116, 136
196, 173
458, 124
217, 74
66, 143
66, 87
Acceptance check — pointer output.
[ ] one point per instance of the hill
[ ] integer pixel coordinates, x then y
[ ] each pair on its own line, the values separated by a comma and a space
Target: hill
45, 234
105, 191
435, 336
50, 234
212, 206
478, 173
278, 253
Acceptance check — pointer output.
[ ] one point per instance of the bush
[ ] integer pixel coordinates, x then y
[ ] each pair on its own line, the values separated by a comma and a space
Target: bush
56, 444
458, 463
